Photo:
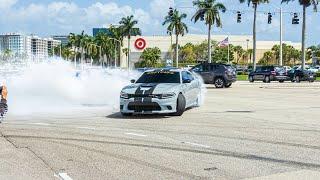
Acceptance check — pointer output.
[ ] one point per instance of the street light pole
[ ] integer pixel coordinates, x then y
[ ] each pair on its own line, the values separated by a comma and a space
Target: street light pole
281, 56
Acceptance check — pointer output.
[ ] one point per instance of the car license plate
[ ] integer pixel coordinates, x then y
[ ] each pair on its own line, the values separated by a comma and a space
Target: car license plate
311, 76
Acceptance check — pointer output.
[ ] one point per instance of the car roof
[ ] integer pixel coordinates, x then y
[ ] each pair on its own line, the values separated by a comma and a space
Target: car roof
165, 69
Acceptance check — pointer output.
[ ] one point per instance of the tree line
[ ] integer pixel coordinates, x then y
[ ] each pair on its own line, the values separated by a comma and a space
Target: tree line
207, 11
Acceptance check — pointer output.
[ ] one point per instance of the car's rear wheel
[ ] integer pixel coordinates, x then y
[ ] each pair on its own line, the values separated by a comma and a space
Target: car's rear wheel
266, 79
251, 79
281, 81
298, 80
228, 85
181, 105
219, 82
292, 80
311, 80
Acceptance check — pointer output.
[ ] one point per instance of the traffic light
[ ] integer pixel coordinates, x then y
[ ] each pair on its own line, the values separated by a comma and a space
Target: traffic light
170, 13
269, 18
202, 17
238, 17
295, 19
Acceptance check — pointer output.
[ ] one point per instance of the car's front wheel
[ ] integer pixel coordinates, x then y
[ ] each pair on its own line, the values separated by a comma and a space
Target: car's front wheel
251, 79
266, 79
219, 82
181, 105
281, 81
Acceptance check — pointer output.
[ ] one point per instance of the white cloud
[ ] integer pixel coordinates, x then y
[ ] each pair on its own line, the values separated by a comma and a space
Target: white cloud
5, 4
160, 8
64, 17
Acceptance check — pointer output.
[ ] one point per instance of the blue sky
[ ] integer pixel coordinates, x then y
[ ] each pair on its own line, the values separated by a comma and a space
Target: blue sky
51, 17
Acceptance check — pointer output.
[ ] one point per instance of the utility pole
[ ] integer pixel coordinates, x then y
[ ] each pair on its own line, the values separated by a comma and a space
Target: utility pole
281, 29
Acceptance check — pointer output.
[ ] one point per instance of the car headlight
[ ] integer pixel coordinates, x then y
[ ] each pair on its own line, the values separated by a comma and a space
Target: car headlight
124, 95
167, 96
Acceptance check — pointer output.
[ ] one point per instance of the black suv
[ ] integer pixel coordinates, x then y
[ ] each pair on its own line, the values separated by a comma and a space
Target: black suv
221, 75
268, 74
298, 75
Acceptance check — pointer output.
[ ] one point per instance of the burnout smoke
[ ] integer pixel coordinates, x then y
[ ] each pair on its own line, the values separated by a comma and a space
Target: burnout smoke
56, 86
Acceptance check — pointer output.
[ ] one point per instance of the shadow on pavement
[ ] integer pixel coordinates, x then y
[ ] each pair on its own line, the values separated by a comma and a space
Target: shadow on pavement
138, 116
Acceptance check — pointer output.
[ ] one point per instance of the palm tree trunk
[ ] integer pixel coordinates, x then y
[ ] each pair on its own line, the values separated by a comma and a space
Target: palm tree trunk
177, 50
304, 37
75, 57
129, 52
209, 44
254, 37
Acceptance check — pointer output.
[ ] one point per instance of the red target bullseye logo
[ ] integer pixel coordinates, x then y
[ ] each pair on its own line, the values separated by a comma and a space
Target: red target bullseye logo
140, 44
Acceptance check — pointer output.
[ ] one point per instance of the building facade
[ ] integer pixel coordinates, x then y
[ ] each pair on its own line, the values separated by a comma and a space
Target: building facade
64, 39
17, 44
164, 43
52, 43
23, 46
39, 48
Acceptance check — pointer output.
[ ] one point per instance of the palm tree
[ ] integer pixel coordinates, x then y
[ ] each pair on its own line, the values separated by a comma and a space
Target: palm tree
239, 51
176, 25
255, 4
74, 42
305, 4
127, 28
209, 11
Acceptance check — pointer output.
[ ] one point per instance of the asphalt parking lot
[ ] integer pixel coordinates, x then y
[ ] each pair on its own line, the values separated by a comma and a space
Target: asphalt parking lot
248, 131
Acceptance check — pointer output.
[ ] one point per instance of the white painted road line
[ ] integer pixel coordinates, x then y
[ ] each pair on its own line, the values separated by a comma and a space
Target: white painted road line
40, 124
89, 128
134, 134
64, 176
199, 145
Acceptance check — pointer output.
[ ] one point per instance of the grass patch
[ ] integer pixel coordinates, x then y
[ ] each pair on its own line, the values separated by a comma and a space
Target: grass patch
318, 78
242, 77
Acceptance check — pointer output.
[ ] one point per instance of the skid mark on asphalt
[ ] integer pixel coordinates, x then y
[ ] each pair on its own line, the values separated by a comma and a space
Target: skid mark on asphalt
208, 151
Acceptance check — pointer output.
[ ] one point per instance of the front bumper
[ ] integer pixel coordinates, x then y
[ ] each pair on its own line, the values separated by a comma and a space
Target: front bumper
155, 106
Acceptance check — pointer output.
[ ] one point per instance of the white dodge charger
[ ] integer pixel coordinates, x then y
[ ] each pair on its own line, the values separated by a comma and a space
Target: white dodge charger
161, 91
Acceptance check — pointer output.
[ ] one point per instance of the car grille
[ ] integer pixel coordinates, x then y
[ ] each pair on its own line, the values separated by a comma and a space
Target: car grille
144, 106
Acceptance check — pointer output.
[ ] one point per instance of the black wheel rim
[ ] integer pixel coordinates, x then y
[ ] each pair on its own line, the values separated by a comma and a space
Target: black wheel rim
219, 83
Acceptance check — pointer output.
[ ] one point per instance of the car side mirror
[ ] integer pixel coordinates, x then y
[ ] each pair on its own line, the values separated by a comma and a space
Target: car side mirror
185, 81
133, 81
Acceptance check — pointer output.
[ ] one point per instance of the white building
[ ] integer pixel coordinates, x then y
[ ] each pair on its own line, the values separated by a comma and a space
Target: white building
164, 43
18, 44
39, 48
52, 43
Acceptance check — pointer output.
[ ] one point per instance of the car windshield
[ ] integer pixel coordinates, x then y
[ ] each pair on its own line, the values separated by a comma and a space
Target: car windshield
160, 77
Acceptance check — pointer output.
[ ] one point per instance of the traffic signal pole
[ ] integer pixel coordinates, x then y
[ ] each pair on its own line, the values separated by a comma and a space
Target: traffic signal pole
281, 28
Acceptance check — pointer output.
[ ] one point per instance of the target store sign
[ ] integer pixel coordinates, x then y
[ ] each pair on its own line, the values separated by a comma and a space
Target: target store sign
140, 44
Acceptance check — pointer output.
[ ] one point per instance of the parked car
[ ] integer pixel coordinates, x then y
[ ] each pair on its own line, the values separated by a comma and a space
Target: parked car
298, 75
287, 68
221, 75
268, 74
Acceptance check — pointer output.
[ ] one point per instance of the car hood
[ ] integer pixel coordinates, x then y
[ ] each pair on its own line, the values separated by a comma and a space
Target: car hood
151, 88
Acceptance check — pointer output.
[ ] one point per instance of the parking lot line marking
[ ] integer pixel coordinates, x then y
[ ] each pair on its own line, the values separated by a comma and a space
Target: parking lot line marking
89, 128
64, 176
134, 134
41, 124
196, 144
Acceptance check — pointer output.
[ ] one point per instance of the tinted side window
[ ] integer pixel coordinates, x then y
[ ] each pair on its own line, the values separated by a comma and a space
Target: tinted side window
206, 67
259, 69
198, 68
190, 76
184, 75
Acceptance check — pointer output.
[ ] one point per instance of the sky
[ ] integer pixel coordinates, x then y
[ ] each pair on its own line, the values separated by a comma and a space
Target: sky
60, 17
